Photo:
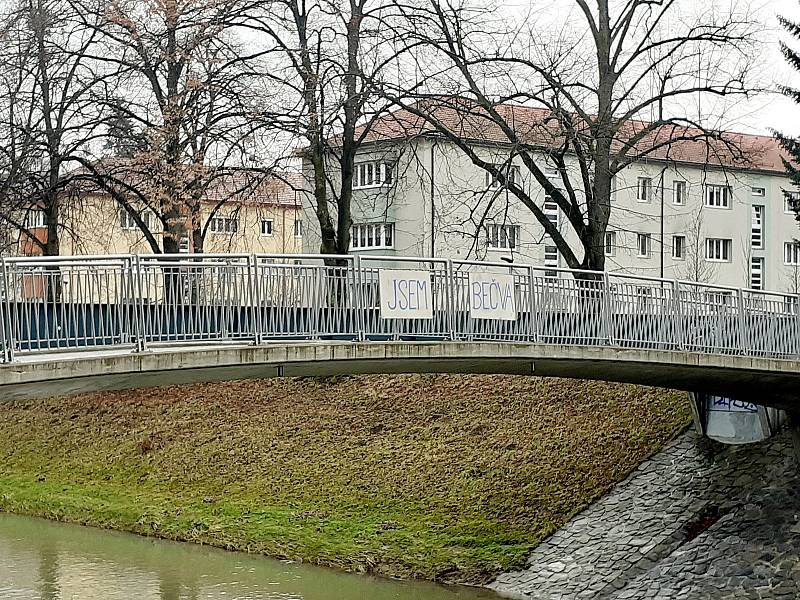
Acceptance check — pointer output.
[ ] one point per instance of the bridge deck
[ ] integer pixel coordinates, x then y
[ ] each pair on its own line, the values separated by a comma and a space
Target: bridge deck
764, 381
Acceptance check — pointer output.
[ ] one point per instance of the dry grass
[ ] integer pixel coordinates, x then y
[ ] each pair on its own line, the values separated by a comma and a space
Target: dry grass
442, 477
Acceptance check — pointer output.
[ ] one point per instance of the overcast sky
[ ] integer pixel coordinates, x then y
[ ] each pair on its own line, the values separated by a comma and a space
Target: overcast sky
774, 111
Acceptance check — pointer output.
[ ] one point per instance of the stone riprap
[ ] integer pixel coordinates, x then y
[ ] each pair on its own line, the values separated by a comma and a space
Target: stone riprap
698, 520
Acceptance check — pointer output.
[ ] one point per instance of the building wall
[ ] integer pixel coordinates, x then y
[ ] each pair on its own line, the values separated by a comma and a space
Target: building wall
93, 226
462, 205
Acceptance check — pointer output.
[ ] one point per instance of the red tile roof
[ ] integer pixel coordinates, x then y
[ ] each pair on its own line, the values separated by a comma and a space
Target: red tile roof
538, 127
250, 187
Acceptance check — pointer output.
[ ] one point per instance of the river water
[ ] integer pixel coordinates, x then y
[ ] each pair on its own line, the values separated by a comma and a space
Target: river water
42, 560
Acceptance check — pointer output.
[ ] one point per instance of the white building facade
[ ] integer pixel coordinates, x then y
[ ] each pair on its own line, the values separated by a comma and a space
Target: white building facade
416, 194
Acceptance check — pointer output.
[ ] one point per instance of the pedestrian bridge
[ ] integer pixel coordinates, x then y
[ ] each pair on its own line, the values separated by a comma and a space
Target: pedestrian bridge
76, 324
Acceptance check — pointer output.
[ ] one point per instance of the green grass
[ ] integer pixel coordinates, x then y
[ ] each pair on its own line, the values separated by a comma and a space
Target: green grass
452, 478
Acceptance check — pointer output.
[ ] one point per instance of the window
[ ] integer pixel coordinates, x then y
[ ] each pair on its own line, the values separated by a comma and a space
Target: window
502, 237
372, 235
611, 243
552, 173
224, 225
791, 253
35, 219
757, 228
550, 210
267, 227
679, 192
512, 174
757, 273
644, 245
718, 249
183, 244
758, 192
791, 202
644, 189
372, 174
721, 299
613, 188
298, 228
678, 247
128, 223
551, 260
718, 196
644, 298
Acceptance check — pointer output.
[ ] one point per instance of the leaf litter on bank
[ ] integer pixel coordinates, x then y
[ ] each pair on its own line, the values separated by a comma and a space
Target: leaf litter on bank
434, 476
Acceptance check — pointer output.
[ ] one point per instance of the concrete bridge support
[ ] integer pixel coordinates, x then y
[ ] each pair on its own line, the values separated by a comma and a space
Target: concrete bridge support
732, 421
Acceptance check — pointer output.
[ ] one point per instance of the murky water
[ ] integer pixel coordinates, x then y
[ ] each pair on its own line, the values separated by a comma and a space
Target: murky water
51, 561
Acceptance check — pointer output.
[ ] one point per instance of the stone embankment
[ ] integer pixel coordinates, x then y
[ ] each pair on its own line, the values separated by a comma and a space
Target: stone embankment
697, 521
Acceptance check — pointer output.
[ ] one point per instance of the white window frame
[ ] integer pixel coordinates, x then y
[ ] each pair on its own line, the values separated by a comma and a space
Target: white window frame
372, 174
758, 216
551, 260
35, 218
610, 247
512, 174
676, 246
719, 250
791, 253
644, 245
502, 236
550, 209
127, 222
790, 199
757, 267
298, 228
719, 298
758, 192
371, 236
679, 192
718, 195
224, 225
644, 189
271, 227
552, 172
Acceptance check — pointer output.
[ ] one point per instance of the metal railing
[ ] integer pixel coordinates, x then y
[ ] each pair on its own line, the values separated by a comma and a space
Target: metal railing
140, 302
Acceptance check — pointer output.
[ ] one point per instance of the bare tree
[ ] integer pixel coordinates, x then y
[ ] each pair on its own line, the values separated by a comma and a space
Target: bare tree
614, 87
696, 267
184, 111
331, 57
49, 119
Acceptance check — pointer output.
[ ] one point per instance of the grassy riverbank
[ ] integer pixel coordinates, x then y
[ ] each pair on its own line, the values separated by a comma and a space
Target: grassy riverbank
441, 477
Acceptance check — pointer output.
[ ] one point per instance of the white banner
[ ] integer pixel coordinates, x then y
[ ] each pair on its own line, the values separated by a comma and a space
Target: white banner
406, 295
492, 297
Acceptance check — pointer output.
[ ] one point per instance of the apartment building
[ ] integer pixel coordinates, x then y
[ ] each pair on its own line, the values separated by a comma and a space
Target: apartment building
238, 217
685, 213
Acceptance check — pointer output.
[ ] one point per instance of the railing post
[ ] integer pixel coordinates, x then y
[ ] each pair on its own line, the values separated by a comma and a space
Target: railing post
744, 340
533, 330
139, 328
360, 305
797, 322
318, 303
255, 299
7, 330
450, 299
608, 310
677, 312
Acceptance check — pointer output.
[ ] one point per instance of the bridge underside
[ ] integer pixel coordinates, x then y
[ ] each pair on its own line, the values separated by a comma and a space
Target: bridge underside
763, 381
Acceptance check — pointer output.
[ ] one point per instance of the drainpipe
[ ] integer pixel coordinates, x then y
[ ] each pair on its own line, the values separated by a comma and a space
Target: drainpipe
663, 172
433, 199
